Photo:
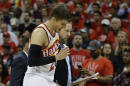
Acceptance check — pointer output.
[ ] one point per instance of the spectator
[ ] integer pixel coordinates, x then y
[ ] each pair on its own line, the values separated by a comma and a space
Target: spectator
80, 9
77, 21
97, 64
123, 79
7, 56
78, 54
105, 30
122, 40
116, 27
38, 21
85, 35
5, 4
95, 7
92, 8
113, 12
71, 5
4, 76
19, 66
27, 25
96, 26
6, 16
107, 51
6, 40
26, 6
44, 14
17, 14
96, 22
13, 37
105, 9
123, 11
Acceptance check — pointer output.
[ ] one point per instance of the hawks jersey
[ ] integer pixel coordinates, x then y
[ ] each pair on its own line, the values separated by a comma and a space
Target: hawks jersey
50, 50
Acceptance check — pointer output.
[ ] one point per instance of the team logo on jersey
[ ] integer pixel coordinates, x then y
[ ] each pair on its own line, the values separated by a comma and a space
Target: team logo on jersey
51, 50
92, 66
77, 60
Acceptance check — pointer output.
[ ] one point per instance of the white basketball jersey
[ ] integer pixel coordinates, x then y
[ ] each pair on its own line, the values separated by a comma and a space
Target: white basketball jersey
50, 50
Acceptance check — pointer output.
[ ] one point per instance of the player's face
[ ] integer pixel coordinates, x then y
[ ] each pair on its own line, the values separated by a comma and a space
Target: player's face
59, 24
65, 32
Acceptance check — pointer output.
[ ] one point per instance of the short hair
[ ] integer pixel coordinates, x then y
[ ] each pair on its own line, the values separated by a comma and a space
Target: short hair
80, 3
25, 40
77, 34
60, 12
96, 4
116, 19
98, 12
28, 13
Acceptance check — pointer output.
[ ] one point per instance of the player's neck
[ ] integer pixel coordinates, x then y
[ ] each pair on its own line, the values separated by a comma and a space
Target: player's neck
49, 26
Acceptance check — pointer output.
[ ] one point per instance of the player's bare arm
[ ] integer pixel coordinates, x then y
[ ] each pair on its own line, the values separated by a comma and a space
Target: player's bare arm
39, 37
38, 40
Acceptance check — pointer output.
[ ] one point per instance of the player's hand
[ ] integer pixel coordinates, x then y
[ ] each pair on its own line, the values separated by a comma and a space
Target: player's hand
62, 54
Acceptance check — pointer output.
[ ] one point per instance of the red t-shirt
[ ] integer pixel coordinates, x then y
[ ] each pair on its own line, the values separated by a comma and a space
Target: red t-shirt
103, 66
78, 25
96, 32
12, 46
77, 58
6, 5
105, 9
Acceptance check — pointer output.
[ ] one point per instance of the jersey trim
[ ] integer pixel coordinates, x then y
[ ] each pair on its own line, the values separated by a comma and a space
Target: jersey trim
53, 35
50, 45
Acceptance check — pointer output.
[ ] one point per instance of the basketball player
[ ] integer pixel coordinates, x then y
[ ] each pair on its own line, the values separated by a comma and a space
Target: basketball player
43, 50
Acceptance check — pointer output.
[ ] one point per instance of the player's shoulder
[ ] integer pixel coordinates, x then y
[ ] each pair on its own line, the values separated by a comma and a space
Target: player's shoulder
39, 30
39, 36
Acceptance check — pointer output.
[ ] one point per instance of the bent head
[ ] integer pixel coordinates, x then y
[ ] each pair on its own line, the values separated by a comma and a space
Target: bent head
60, 16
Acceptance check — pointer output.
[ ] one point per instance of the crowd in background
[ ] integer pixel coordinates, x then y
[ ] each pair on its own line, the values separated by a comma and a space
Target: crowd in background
105, 22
